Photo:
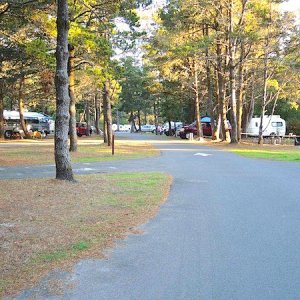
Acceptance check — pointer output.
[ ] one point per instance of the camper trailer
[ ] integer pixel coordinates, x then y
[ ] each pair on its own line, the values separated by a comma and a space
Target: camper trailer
34, 122
272, 126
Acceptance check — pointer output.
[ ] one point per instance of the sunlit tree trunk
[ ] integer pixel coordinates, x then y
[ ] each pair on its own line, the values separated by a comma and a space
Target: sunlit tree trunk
210, 88
232, 77
264, 99
1, 109
248, 106
62, 156
131, 121
97, 112
240, 97
139, 120
197, 101
155, 110
105, 139
21, 107
87, 116
221, 92
106, 95
72, 109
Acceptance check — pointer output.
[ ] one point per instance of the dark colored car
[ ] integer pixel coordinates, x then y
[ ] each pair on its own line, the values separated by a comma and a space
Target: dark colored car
192, 128
83, 129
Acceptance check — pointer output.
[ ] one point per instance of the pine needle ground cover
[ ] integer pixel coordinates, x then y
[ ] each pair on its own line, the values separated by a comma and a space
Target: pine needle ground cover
42, 152
47, 224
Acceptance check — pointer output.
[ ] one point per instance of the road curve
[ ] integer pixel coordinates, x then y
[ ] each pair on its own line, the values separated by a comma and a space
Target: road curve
229, 230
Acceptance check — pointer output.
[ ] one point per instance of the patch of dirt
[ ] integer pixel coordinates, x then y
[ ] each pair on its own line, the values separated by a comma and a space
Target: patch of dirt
42, 152
47, 224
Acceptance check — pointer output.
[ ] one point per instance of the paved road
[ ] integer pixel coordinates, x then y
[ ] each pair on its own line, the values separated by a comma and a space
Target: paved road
229, 230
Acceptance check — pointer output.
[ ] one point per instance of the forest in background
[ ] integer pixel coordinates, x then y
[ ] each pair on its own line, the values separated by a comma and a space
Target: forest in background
229, 59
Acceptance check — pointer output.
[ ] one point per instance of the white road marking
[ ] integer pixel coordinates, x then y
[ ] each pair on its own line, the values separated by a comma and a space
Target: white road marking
87, 169
202, 154
112, 168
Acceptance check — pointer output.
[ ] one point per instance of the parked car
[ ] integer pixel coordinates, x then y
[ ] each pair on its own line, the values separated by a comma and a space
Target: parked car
159, 129
192, 128
83, 129
147, 128
206, 128
173, 129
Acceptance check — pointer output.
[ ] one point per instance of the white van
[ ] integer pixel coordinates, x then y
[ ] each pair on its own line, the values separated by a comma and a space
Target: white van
34, 121
272, 126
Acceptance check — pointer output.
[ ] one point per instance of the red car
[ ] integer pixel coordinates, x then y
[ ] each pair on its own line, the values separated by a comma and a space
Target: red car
83, 129
192, 128
206, 128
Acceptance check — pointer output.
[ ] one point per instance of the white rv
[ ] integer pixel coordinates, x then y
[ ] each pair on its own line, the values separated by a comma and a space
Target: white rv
272, 126
33, 120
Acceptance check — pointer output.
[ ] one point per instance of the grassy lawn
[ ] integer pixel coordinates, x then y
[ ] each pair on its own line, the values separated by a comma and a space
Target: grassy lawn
89, 150
285, 155
266, 151
47, 224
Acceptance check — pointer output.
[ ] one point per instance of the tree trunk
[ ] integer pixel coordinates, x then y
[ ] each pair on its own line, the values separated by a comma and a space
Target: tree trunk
210, 89
62, 156
106, 95
264, 100
72, 109
170, 128
87, 117
1, 109
139, 120
251, 107
197, 102
131, 121
232, 77
97, 112
221, 92
21, 108
118, 120
105, 139
240, 95
104, 130
155, 117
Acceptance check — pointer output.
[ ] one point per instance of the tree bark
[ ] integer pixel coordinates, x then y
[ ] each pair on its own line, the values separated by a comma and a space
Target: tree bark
105, 140
72, 109
131, 121
1, 109
232, 77
97, 112
21, 107
170, 127
221, 92
106, 95
197, 102
240, 97
139, 120
155, 110
264, 100
62, 156
210, 89
87, 117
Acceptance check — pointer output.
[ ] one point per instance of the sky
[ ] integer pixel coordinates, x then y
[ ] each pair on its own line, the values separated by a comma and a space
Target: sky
147, 15
291, 5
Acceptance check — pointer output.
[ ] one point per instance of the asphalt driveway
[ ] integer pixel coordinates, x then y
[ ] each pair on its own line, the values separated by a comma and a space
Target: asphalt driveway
229, 230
